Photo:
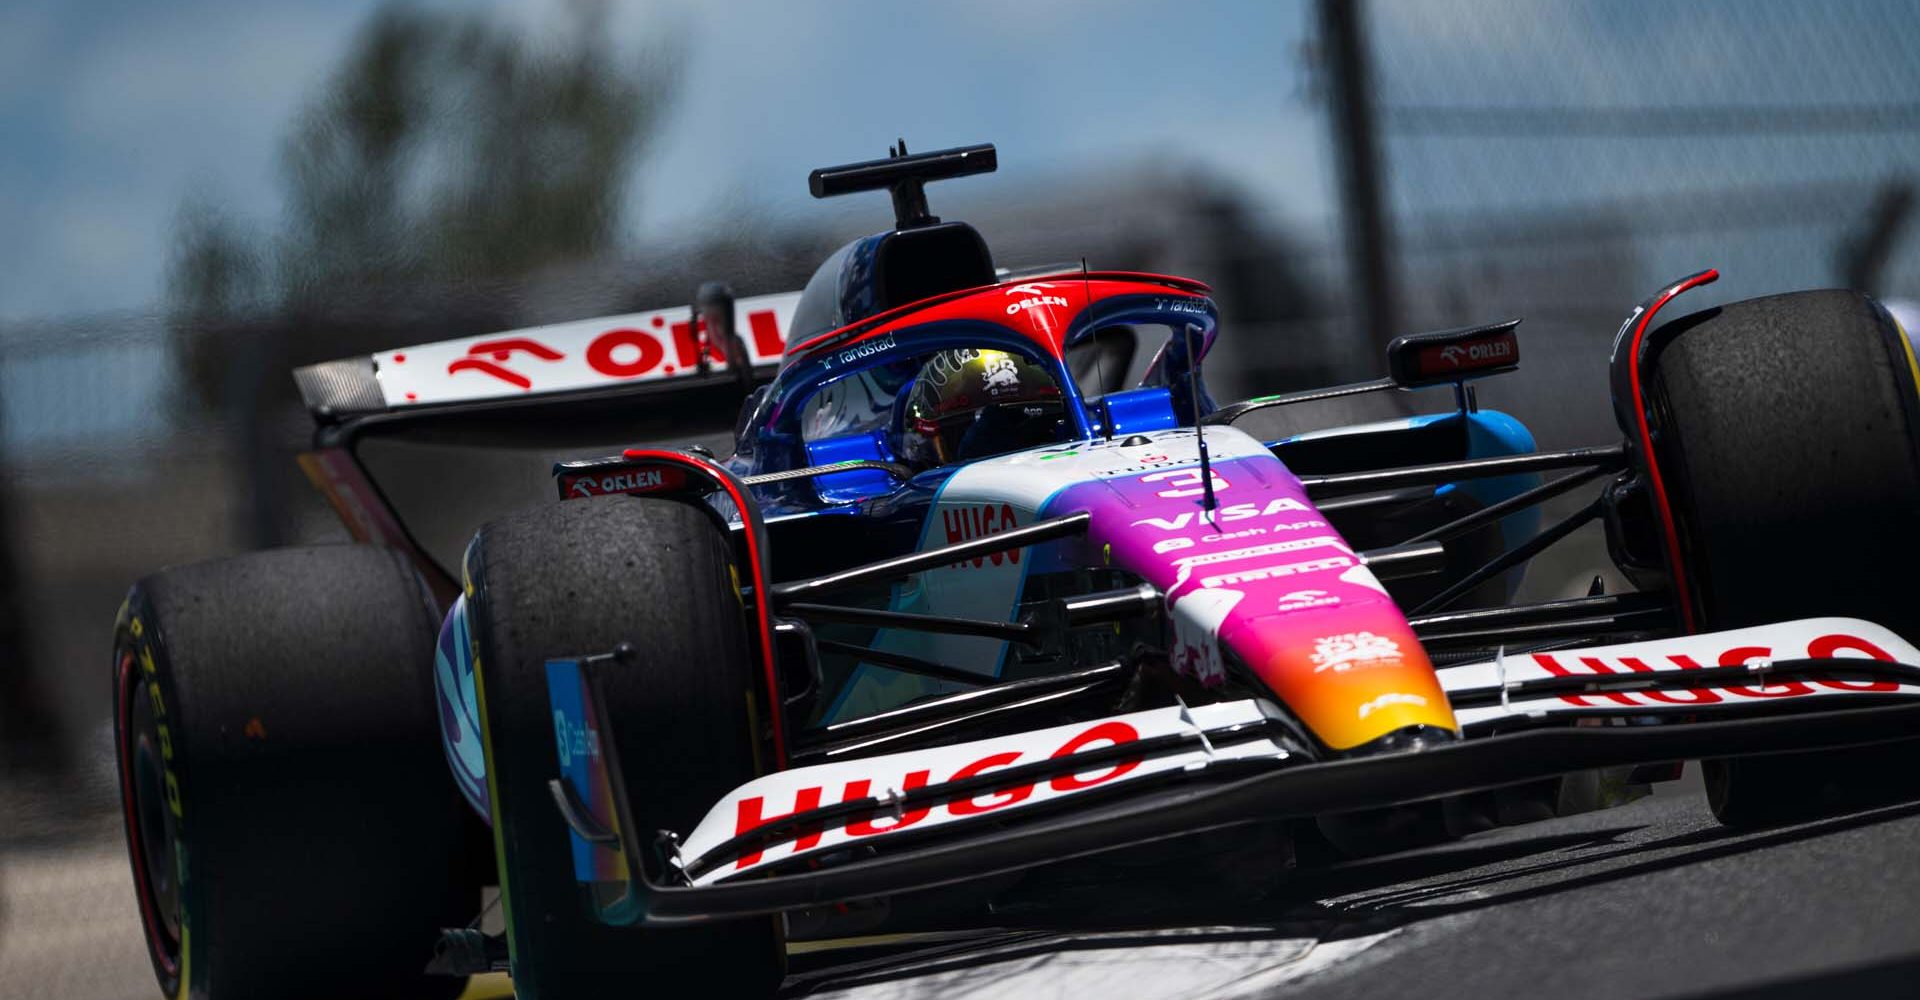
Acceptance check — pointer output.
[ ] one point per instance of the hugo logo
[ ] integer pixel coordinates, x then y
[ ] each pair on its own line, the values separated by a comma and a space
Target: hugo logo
751, 812
1824, 647
966, 523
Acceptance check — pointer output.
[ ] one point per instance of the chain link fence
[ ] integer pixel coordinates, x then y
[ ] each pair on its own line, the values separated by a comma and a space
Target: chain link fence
1560, 160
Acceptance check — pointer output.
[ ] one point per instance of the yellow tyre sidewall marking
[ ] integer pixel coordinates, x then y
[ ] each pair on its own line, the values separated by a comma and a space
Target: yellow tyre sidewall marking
150, 675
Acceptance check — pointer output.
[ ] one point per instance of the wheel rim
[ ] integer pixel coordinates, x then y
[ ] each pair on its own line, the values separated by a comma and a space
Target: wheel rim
152, 832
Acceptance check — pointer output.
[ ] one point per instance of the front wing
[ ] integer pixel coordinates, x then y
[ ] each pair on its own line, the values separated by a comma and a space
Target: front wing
1026, 799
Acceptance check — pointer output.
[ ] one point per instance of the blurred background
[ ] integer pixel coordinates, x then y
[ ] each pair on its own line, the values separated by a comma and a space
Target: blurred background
199, 195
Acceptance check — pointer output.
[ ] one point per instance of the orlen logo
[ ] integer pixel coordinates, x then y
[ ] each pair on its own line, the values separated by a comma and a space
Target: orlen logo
642, 481
622, 353
489, 357
1491, 350
1833, 646
1038, 291
967, 523
607, 481
751, 812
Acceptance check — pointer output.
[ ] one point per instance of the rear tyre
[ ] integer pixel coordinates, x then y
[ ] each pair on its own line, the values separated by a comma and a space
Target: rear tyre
290, 821
1785, 432
575, 579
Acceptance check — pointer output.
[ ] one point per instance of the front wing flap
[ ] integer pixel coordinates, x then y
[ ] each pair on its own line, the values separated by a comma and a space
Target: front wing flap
1707, 674
1028, 799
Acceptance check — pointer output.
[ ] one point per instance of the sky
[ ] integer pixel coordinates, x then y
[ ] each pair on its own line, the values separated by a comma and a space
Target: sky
114, 111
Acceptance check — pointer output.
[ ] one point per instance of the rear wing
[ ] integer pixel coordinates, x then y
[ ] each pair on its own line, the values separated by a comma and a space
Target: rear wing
580, 356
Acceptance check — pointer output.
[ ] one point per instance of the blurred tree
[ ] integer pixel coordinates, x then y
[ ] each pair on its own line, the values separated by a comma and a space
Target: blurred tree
448, 156
215, 273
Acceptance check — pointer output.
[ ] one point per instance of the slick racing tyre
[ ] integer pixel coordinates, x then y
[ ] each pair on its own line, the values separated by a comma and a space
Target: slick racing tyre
576, 579
1785, 430
292, 827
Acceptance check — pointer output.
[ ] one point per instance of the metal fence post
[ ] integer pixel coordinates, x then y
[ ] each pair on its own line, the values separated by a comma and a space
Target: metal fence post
29, 730
1357, 157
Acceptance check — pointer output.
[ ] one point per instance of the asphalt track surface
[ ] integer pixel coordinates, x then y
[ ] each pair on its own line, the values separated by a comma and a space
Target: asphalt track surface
1650, 899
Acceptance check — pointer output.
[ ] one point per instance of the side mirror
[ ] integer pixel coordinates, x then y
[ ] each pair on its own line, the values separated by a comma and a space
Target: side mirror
1443, 356
747, 408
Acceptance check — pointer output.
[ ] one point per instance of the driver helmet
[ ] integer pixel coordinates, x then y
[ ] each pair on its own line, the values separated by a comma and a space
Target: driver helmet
973, 402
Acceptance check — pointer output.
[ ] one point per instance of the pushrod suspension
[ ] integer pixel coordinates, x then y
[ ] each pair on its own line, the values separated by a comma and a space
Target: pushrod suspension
1021, 632
1520, 501
917, 562
1510, 558
1609, 457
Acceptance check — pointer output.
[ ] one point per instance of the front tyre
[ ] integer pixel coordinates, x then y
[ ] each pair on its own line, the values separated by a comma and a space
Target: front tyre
575, 579
1785, 430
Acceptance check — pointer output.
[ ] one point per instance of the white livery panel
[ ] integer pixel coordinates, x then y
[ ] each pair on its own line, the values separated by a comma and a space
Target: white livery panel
776, 796
585, 354
1753, 648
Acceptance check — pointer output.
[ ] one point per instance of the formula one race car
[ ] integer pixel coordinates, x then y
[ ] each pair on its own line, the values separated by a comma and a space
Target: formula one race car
975, 601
